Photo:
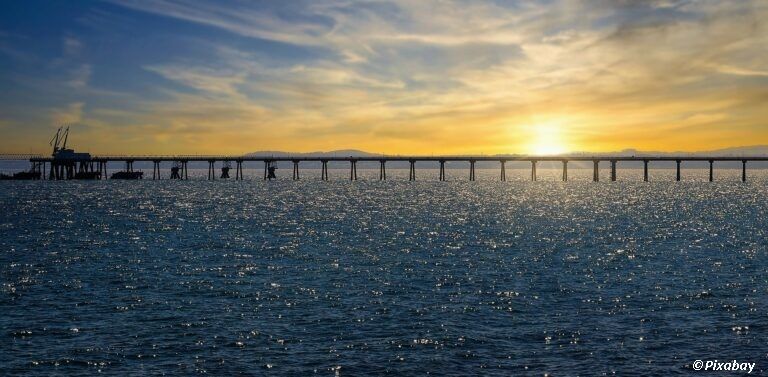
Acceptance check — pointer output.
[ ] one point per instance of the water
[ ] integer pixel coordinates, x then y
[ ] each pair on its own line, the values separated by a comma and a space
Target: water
340, 278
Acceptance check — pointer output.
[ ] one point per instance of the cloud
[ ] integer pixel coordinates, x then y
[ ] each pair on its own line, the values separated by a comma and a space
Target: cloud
71, 114
731, 70
452, 76
71, 46
80, 76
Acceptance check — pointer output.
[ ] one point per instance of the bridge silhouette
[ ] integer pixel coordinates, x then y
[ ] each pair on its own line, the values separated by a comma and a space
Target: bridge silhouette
66, 168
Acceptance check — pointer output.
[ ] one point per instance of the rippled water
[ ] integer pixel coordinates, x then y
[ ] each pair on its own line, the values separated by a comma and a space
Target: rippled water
452, 278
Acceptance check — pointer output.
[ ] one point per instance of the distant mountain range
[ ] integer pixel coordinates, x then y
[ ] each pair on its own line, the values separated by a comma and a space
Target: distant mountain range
334, 153
756, 150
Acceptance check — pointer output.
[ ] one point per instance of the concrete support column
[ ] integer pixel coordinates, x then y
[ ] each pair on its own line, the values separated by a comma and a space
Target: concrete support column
503, 171
471, 170
295, 170
324, 171
645, 170
186, 171
382, 170
744, 170
353, 170
534, 176
596, 171
677, 175
613, 170
711, 170
412, 174
565, 170
442, 170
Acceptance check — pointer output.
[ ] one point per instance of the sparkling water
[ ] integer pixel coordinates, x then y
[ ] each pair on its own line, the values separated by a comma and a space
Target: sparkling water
369, 277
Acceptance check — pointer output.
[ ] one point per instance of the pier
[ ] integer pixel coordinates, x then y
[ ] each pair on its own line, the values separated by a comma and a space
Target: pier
85, 165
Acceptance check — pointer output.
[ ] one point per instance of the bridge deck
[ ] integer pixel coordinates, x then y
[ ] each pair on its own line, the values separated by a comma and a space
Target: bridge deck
32, 158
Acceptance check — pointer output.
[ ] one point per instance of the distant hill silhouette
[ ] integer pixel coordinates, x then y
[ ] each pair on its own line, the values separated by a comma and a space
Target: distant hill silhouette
756, 150
334, 153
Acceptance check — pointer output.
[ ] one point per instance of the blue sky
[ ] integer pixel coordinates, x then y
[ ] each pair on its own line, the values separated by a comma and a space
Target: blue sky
426, 76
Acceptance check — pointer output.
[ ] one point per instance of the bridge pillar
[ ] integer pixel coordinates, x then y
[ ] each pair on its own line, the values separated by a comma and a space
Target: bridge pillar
412, 174
596, 171
645, 170
677, 175
743, 170
211, 171
565, 170
295, 170
382, 170
613, 170
534, 177
711, 170
471, 170
324, 171
503, 170
352, 170
442, 171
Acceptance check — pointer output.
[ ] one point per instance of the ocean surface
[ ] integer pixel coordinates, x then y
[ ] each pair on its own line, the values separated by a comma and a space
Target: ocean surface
396, 277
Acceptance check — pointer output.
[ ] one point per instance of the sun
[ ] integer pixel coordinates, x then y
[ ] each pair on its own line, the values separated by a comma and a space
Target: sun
547, 149
546, 139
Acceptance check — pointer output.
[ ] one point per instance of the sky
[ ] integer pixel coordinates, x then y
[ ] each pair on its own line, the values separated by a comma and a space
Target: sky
398, 77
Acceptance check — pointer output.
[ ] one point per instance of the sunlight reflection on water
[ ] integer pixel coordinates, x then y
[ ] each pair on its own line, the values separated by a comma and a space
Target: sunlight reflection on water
372, 277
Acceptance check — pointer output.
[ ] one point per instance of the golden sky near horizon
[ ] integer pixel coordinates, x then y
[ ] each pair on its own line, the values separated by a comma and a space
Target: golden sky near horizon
395, 77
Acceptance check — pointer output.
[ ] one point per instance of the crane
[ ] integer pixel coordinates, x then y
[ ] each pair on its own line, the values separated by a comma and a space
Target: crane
66, 136
55, 141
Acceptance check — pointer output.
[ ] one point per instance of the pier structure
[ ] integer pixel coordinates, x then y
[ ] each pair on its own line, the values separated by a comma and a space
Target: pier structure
95, 167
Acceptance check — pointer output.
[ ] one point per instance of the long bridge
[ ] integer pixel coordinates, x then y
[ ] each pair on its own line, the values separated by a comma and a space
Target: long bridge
57, 168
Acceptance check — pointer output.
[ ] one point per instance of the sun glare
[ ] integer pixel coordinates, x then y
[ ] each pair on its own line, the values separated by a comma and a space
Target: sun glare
546, 139
547, 148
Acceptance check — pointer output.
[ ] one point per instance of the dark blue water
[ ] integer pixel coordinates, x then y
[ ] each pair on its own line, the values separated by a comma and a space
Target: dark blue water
407, 278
